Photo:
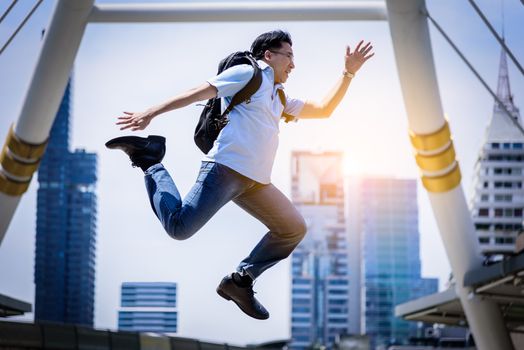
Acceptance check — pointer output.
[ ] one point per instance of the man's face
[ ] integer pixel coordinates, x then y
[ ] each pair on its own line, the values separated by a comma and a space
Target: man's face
281, 60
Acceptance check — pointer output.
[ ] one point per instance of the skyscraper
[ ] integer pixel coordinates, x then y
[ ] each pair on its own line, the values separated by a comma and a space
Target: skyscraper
148, 307
384, 217
498, 201
66, 228
320, 280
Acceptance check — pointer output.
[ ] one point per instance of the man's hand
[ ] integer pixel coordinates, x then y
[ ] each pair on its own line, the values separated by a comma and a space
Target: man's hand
135, 121
354, 60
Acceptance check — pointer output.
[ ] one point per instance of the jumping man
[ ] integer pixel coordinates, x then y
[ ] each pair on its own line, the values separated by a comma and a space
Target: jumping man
238, 167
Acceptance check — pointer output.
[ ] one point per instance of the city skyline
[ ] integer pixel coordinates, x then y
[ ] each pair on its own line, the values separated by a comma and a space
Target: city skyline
115, 73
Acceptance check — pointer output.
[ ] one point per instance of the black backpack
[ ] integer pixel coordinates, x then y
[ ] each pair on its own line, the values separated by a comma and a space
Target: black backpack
211, 119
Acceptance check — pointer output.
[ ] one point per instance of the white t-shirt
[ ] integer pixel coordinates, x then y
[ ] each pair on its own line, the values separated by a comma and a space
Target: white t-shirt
249, 142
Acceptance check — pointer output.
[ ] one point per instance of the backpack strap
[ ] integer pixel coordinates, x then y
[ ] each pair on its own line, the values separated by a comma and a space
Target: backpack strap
247, 91
287, 117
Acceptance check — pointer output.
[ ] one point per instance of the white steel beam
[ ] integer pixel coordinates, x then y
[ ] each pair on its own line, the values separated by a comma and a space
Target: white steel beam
24, 145
241, 11
440, 171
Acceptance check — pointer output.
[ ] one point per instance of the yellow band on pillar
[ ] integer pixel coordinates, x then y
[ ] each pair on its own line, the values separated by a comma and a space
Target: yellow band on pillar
443, 183
24, 149
433, 141
12, 187
16, 167
19, 159
436, 162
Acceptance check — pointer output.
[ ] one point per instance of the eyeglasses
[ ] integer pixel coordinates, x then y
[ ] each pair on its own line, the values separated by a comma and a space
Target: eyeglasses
287, 54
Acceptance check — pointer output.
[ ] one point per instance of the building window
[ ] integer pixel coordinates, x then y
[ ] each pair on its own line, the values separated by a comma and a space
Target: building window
518, 212
338, 292
506, 145
485, 184
337, 320
301, 339
482, 227
508, 184
483, 240
301, 291
517, 227
484, 198
503, 198
517, 145
338, 282
304, 310
507, 171
510, 158
499, 212
495, 145
483, 212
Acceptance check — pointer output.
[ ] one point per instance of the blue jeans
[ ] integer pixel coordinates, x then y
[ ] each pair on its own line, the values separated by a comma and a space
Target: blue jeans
216, 185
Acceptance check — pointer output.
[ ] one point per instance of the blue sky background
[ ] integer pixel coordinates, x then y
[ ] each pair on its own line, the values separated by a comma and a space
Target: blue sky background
132, 66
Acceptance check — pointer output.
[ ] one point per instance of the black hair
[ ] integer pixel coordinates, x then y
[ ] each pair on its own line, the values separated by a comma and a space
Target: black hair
268, 41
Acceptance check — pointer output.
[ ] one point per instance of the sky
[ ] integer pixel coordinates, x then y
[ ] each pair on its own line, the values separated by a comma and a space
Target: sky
133, 66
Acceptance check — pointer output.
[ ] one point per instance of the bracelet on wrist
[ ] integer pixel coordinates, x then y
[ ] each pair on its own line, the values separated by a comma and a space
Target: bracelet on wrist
348, 74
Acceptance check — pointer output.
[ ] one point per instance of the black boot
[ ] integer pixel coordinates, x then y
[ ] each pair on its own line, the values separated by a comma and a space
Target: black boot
143, 152
243, 296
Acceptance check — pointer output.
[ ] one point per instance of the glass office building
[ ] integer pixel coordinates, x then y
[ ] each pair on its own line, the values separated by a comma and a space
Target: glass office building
66, 228
497, 204
320, 280
384, 214
148, 307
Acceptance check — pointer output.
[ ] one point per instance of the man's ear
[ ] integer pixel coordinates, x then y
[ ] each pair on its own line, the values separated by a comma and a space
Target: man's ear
267, 55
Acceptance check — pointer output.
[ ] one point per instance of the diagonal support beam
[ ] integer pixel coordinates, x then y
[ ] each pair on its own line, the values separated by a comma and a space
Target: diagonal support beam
25, 143
431, 138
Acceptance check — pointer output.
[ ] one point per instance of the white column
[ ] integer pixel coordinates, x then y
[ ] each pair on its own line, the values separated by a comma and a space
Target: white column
441, 175
61, 42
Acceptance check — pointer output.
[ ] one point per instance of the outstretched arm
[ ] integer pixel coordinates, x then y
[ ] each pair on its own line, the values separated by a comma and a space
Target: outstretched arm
140, 120
353, 61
